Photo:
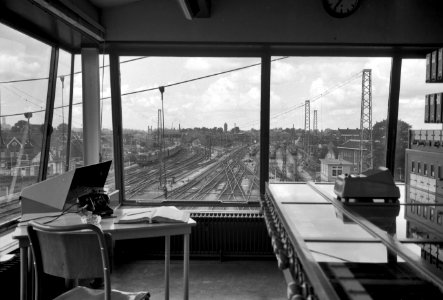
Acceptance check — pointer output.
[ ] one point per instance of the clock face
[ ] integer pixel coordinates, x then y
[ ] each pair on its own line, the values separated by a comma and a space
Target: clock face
340, 8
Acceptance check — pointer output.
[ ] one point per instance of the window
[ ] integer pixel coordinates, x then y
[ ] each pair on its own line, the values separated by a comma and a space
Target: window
107, 134
315, 115
76, 144
191, 128
336, 171
24, 70
57, 162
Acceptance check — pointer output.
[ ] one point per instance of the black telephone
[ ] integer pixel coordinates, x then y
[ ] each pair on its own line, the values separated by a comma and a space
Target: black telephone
97, 203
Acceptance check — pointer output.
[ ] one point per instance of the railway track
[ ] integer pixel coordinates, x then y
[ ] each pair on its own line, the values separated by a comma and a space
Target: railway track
223, 179
175, 167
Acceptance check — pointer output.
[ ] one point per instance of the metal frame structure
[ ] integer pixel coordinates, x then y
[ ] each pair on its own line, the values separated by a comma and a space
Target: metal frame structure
394, 96
307, 126
366, 155
47, 125
315, 122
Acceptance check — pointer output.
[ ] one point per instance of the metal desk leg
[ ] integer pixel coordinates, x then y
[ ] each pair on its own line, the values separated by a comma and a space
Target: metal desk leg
186, 266
23, 273
167, 263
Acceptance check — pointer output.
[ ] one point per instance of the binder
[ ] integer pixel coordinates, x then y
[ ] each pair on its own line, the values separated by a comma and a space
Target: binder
427, 108
428, 67
440, 65
438, 108
434, 66
432, 108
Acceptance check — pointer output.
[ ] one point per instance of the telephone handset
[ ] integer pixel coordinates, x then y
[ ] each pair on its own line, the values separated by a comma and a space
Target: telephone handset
97, 203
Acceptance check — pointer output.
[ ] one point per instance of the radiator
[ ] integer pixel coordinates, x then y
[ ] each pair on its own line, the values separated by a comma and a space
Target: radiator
230, 234
217, 234
10, 277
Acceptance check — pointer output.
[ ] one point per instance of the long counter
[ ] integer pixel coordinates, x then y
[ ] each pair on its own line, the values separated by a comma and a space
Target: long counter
334, 250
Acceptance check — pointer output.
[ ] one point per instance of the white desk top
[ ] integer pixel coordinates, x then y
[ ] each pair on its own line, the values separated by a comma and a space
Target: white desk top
118, 231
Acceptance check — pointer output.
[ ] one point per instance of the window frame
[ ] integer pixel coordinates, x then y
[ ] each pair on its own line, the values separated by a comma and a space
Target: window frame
265, 53
116, 50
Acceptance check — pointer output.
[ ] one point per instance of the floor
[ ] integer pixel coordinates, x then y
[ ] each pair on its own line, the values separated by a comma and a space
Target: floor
208, 279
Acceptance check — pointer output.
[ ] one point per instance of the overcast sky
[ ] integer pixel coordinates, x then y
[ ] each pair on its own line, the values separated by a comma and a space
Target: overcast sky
233, 97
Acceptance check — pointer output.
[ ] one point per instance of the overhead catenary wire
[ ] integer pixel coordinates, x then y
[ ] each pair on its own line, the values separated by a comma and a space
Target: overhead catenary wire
313, 99
45, 78
197, 78
167, 85
65, 75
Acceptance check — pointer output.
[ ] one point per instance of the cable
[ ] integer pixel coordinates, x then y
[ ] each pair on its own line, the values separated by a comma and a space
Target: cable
79, 72
329, 255
169, 85
313, 99
65, 211
197, 78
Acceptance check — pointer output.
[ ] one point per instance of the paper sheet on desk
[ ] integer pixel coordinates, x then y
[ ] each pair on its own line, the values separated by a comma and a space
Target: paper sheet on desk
162, 214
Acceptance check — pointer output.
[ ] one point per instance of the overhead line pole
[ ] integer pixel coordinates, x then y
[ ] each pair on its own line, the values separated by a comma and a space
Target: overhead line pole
162, 90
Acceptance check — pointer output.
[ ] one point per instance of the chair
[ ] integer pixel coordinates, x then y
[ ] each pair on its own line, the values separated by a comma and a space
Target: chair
74, 252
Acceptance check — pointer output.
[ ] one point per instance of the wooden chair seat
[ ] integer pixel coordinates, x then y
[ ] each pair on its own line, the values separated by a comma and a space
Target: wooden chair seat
74, 252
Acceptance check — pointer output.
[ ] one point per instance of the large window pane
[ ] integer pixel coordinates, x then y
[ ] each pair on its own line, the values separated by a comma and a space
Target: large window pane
107, 133
57, 151
76, 153
24, 69
198, 138
315, 128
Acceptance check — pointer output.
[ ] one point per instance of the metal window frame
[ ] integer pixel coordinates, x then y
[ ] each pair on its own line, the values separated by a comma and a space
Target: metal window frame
265, 53
47, 125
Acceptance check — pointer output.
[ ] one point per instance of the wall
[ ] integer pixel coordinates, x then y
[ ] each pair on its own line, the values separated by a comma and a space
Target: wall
376, 22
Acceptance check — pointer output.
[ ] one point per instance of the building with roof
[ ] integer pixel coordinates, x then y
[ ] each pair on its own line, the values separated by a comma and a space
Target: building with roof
330, 168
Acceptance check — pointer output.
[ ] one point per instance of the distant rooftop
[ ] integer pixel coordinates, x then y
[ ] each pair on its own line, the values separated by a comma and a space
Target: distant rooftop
330, 161
352, 144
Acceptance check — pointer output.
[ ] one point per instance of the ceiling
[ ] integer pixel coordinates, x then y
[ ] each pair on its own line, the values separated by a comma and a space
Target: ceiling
111, 3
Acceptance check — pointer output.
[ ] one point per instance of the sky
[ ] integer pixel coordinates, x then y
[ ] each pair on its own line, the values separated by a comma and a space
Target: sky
333, 85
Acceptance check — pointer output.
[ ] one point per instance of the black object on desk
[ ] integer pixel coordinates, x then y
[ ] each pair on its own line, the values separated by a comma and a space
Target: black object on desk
368, 186
59, 192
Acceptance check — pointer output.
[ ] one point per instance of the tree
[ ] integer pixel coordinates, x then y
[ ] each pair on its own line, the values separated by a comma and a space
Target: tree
19, 126
62, 126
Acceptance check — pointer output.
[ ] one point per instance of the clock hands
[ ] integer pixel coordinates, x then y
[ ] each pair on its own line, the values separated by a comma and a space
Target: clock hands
337, 4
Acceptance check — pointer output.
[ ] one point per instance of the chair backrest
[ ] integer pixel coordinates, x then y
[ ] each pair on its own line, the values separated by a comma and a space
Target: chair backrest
71, 252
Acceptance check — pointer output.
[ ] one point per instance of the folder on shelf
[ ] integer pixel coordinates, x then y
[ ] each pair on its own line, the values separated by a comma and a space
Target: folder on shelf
434, 66
440, 65
428, 67
432, 108
438, 108
427, 102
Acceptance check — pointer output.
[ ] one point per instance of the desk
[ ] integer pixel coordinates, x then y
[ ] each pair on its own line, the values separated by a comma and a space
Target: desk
118, 232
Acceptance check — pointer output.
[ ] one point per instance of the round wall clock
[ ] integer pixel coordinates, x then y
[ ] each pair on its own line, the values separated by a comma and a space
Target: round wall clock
341, 8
